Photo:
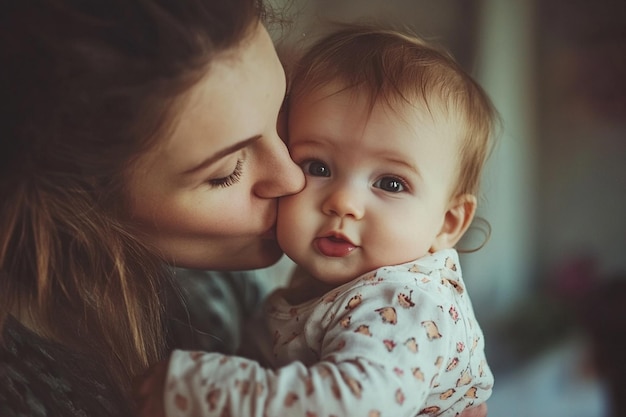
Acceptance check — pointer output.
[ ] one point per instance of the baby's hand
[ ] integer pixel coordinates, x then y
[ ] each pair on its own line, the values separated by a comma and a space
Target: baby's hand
478, 411
148, 391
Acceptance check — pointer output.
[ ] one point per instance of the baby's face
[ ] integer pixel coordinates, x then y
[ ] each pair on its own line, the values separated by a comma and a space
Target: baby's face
378, 184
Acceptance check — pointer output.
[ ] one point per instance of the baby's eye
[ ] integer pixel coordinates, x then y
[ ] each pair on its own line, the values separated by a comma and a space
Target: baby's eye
391, 184
316, 169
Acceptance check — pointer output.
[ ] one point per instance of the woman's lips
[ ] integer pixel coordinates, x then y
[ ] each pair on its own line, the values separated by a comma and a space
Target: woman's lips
334, 246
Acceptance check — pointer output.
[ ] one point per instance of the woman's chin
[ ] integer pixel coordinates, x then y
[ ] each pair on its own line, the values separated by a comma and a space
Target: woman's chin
270, 254
264, 255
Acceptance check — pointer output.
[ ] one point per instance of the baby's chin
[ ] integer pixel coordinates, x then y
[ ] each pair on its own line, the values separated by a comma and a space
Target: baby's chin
334, 277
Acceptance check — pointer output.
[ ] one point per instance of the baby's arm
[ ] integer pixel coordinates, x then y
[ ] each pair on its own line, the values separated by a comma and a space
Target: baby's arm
213, 384
149, 395
377, 358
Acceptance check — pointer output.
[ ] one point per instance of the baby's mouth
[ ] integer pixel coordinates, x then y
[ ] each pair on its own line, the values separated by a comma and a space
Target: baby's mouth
334, 246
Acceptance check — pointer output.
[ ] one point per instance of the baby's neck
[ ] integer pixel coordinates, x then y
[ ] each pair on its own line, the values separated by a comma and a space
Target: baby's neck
304, 287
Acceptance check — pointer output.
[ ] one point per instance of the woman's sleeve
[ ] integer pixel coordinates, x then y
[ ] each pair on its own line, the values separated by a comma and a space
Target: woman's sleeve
378, 358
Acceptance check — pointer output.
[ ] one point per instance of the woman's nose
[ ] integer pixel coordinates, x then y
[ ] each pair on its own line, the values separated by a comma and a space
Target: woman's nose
344, 200
280, 176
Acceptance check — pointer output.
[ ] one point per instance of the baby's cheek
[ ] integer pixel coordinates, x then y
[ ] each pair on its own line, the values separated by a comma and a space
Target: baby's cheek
288, 223
400, 243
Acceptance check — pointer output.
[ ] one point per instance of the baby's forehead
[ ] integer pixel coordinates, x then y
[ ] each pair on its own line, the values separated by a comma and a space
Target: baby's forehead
417, 112
393, 97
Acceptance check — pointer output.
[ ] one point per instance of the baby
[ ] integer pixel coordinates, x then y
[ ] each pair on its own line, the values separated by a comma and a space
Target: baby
392, 136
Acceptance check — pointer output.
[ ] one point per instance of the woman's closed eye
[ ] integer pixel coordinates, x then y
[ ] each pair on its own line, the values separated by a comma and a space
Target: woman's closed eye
315, 168
230, 179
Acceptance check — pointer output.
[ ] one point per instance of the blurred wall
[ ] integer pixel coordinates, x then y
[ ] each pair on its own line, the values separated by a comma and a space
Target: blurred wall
499, 274
582, 108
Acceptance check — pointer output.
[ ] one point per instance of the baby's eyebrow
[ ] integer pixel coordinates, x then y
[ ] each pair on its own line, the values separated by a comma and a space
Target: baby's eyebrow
403, 162
222, 153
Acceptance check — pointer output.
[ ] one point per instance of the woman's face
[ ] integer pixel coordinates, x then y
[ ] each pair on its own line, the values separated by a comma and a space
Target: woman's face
206, 195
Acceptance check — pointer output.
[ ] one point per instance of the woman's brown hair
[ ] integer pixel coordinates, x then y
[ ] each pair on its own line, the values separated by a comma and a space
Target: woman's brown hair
86, 87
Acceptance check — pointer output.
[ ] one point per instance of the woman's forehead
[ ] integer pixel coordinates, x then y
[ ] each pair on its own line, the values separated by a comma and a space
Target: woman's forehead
238, 98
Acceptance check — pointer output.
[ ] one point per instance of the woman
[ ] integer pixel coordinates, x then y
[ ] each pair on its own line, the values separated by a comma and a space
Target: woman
133, 133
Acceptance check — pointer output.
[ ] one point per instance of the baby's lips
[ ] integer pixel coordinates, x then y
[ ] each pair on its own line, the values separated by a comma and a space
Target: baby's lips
334, 247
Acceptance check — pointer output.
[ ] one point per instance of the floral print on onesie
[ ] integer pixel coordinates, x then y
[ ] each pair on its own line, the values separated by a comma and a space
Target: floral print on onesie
398, 341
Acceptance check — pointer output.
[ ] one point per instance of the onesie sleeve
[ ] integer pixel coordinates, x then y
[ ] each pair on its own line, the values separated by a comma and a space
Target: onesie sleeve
400, 343
380, 356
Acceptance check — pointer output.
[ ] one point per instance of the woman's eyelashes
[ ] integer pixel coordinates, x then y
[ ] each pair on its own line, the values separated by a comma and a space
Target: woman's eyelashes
230, 179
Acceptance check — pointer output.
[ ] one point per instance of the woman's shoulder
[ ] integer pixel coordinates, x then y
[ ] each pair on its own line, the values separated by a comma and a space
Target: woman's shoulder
40, 378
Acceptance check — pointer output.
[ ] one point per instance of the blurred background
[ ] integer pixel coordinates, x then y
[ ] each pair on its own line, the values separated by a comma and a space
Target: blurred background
549, 286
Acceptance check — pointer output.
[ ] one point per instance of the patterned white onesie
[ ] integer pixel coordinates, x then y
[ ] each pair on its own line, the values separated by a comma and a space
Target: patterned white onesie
398, 341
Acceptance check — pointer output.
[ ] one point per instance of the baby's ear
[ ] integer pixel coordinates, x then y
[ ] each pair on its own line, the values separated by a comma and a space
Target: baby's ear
458, 218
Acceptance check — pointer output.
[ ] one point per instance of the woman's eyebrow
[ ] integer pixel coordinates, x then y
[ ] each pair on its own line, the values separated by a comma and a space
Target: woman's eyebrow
222, 153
